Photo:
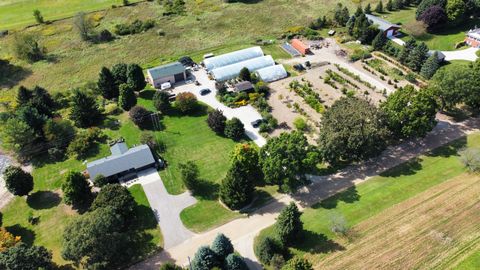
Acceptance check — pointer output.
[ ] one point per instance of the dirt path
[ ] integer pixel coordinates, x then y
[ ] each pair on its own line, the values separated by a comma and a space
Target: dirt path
426, 231
243, 231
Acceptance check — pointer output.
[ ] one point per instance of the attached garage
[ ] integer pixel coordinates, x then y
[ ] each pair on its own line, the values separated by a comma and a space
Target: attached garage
172, 73
389, 29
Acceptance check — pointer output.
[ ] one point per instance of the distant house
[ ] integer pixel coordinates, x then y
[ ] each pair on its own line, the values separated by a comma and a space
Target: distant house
122, 161
473, 38
440, 55
300, 46
172, 73
243, 86
389, 29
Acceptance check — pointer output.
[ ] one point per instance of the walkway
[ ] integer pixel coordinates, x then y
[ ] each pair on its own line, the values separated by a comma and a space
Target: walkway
166, 207
243, 231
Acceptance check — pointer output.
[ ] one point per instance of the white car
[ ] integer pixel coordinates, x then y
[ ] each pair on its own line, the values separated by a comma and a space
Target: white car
166, 85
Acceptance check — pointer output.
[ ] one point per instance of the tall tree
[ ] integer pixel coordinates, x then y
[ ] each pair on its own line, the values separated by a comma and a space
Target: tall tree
84, 111
409, 46
135, 77
456, 10
127, 98
25, 257
23, 96
379, 7
18, 136
418, 56
234, 129
450, 86
161, 101
379, 41
434, 16
289, 225
119, 72
106, 84
351, 130
119, 199
245, 74
222, 246
341, 14
216, 121
42, 101
389, 5
34, 120
368, 9
431, 66
205, 259
76, 189
17, 181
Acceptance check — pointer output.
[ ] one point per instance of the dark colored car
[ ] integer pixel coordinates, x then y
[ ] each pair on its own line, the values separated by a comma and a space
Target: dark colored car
256, 123
205, 91
171, 97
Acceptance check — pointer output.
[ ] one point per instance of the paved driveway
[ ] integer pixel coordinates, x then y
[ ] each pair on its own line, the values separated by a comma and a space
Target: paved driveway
467, 54
246, 114
5, 196
166, 207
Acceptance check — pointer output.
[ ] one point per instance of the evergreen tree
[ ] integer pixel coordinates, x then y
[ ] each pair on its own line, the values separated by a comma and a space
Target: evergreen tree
34, 120
135, 77
235, 262
358, 12
234, 129
410, 44
42, 101
397, 4
25, 257
379, 7
106, 84
204, 259
245, 74
222, 246
289, 225
38, 16
119, 72
368, 9
341, 14
17, 181
216, 121
127, 98
297, 263
379, 41
161, 101
389, 5
76, 190
418, 56
23, 96
431, 66
84, 112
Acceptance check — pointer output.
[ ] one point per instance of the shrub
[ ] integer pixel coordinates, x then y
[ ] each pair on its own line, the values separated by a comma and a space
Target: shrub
140, 116
470, 157
300, 124
277, 262
205, 259
161, 101
100, 180
217, 121
189, 174
26, 47
234, 129
135, 27
265, 249
83, 142
298, 264
235, 262
170, 266
186, 102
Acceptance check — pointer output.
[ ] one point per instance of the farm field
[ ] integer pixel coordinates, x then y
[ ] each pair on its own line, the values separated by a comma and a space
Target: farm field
419, 199
19, 13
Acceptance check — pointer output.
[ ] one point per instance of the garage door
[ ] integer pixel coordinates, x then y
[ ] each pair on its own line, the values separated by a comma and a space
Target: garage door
389, 33
179, 77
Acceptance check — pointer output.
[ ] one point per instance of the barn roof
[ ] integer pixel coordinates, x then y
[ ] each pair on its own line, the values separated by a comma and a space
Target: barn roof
166, 70
381, 23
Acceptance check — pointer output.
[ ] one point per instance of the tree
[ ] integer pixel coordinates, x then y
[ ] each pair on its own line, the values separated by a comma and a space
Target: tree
170, 266
106, 84
18, 136
450, 86
283, 160
418, 56
76, 190
161, 101
119, 199
42, 101
397, 4
204, 259
97, 240
38, 16
298, 263
379, 7
431, 66
24, 257
245, 74
434, 16
389, 5
26, 47
189, 174
235, 262
127, 98
341, 14
100, 180
234, 129
32, 118
368, 9
358, 11
83, 25
23, 96
410, 113
84, 111
17, 181
426, 4
216, 121
277, 262
470, 157
288, 225
455, 10
266, 248
379, 41
135, 77
119, 72
351, 130
410, 44
7, 240
186, 102
58, 133
140, 116
222, 246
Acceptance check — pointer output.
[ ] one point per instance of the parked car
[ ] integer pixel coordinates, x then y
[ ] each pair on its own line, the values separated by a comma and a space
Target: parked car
257, 123
165, 86
205, 91
171, 97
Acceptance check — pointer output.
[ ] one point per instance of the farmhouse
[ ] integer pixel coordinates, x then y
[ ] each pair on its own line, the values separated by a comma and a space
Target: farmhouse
473, 38
122, 161
172, 73
389, 29
300, 46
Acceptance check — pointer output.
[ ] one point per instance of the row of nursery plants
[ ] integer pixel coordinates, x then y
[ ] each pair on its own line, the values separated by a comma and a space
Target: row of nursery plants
306, 91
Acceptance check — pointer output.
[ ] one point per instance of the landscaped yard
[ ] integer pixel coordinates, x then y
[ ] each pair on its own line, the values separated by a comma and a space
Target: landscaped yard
371, 201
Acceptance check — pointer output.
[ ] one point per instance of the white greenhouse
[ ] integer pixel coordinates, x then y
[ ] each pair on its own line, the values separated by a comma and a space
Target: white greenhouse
272, 73
232, 71
232, 58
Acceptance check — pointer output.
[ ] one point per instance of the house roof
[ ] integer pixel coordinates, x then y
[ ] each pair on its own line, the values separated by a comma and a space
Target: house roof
381, 23
166, 70
440, 55
133, 158
299, 45
243, 86
474, 33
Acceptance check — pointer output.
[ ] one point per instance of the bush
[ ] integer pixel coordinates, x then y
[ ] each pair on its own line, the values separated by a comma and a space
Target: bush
217, 121
205, 259
83, 142
235, 262
26, 47
100, 180
170, 266
135, 27
234, 129
266, 248
186, 102
471, 159
300, 124
161, 101
298, 264
140, 116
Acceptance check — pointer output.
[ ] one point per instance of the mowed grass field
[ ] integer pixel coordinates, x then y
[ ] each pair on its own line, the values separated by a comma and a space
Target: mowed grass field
19, 13
421, 214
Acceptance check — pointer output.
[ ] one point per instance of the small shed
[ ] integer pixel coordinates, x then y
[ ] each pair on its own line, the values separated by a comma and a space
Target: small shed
300, 46
388, 28
244, 86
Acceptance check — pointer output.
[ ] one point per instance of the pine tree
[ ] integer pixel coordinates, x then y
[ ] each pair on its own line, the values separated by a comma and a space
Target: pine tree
84, 112
135, 77
235, 262
430, 66
359, 11
106, 84
417, 57
368, 9
119, 72
204, 259
379, 7
288, 224
222, 246
23, 96
389, 5
379, 41
397, 4
127, 98
406, 50
76, 189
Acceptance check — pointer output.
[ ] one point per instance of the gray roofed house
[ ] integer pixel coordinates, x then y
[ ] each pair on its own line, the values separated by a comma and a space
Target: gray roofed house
243, 86
440, 55
172, 73
387, 27
122, 161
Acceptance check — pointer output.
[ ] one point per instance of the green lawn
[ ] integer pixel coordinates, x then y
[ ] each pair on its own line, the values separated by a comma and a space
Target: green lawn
470, 263
363, 201
19, 13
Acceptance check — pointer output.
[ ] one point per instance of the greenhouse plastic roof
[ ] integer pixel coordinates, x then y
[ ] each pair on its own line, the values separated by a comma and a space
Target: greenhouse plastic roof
232, 58
232, 71
273, 73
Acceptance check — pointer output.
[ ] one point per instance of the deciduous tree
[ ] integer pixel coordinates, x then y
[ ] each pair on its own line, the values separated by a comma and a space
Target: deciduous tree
24, 257
217, 121
76, 190
234, 129
186, 102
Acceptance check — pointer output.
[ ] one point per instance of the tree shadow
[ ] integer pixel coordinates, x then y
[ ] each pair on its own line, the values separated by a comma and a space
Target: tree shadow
350, 195
316, 243
450, 149
410, 167
11, 75
147, 94
200, 110
145, 218
206, 190
111, 123
27, 235
43, 200
141, 245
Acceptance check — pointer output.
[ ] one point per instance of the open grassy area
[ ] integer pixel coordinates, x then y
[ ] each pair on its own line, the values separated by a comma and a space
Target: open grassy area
376, 197
19, 13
